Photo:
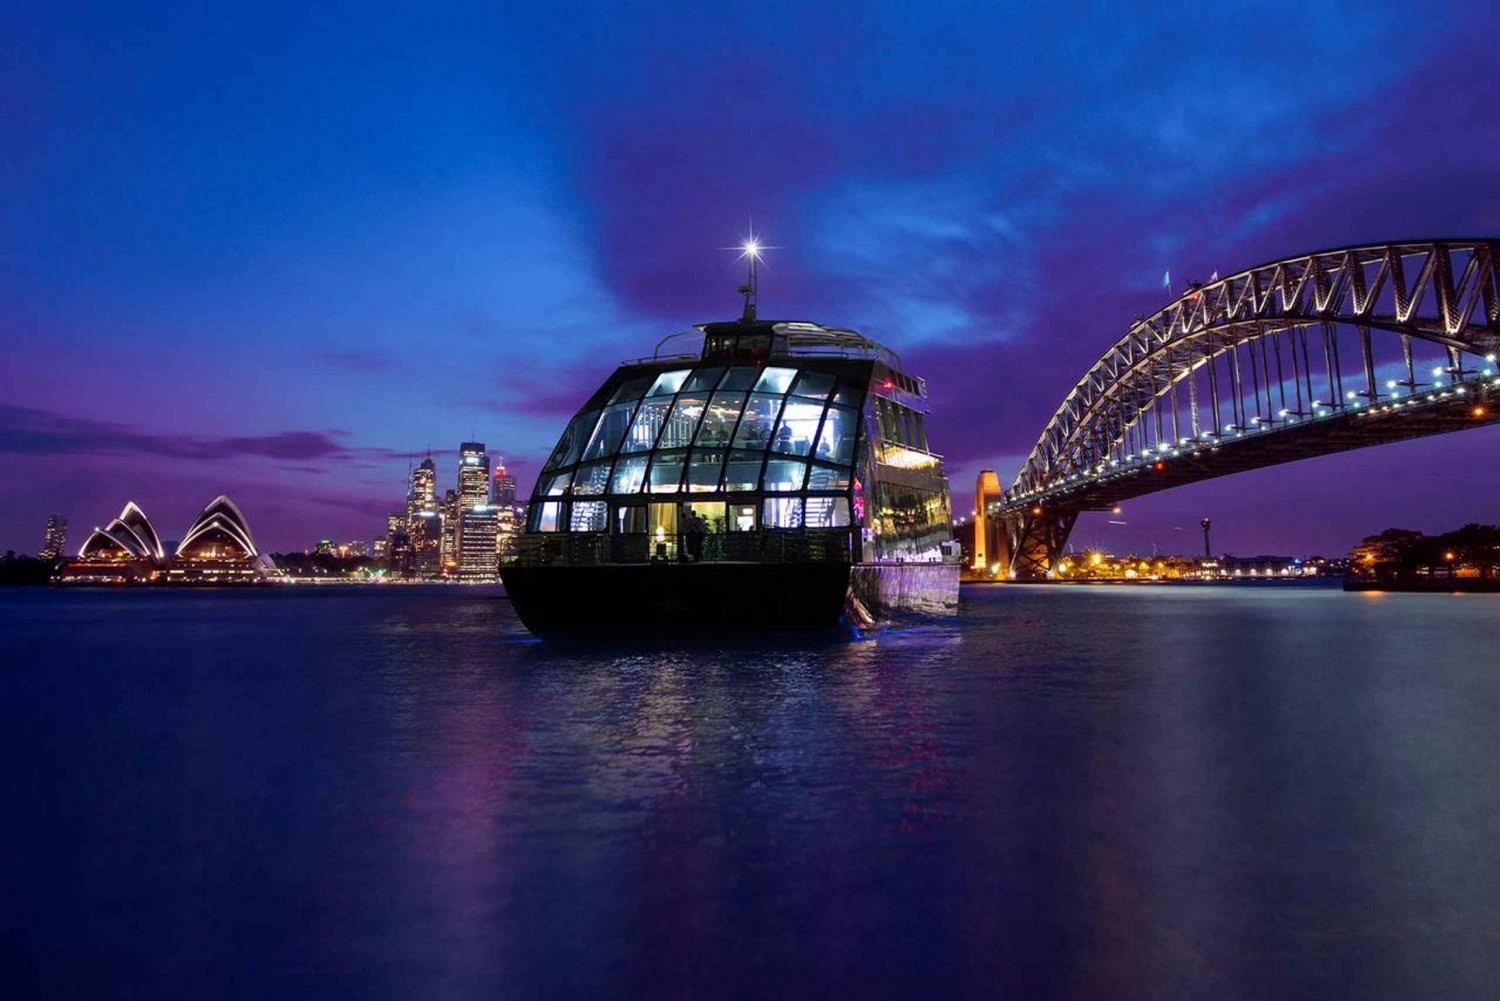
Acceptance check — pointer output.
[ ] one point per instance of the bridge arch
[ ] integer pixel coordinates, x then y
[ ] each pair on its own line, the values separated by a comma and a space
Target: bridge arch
1297, 357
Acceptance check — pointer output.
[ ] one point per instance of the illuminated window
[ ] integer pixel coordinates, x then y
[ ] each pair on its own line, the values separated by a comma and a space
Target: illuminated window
630, 390
572, 441
704, 469
546, 516
702, 380
755, 426
827, 512
556, 486
589, 516
741, 378
720, 418
591, 479
609, 432
798, 425
666, 473
775, 380
781, 512
783, 475
741, 517
827, 478
836, 440
683, 422
647, 425
742, 472
668, 383
814, 385
630, 473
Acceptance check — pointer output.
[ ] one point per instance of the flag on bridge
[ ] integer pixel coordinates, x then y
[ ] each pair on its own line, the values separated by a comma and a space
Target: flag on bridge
1166, 280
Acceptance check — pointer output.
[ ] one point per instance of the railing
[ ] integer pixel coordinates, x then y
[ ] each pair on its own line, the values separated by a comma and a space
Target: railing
807, 545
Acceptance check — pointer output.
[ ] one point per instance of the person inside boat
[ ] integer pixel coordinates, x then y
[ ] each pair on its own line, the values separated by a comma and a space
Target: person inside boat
693, 526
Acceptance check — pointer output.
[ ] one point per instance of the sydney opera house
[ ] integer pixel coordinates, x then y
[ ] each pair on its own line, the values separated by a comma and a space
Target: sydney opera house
216, 549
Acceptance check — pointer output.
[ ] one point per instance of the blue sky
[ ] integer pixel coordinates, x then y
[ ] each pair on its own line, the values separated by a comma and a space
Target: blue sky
279, 251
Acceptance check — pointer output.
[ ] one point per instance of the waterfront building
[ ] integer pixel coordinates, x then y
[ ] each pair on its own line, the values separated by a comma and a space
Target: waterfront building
477, 557
323, 548
218, 548
380, 549
55, 538
426, 533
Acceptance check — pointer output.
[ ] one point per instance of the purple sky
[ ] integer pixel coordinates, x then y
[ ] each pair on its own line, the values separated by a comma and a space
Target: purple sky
278, 254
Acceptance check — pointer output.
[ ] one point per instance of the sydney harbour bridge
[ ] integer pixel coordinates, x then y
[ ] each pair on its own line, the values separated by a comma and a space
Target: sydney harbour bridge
1302, 357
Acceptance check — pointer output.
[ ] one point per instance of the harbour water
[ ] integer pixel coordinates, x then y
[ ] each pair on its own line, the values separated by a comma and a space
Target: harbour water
1226, 792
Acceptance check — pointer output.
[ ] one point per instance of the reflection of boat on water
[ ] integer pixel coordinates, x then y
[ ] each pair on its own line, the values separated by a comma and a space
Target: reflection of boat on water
777, 475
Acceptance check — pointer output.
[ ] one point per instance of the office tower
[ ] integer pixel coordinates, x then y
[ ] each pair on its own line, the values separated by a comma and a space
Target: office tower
477, 558
449, 512
422, 494
473, 475
56, 537
504, 493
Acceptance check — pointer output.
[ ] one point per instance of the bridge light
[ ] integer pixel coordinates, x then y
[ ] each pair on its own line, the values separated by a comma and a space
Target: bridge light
1349, 395
1439, 370
1160, 466
1479, 411
1390, 384
1490, 359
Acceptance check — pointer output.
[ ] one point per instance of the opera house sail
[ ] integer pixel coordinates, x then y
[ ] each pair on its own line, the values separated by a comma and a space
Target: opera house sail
216, 549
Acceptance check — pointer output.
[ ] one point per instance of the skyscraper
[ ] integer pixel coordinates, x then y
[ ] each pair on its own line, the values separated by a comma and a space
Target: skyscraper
56, 537
504, 493
477, 559
449, 513
424, 523
473, 475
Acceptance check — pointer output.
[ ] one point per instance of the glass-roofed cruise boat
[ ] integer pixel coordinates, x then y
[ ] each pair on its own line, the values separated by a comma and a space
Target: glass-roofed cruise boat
749, 474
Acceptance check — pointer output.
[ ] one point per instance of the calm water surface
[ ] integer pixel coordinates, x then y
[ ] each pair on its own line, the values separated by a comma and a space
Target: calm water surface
1069, 792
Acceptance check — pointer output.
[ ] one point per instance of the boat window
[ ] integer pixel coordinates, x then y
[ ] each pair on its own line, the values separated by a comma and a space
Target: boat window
630, 473
836, 439
814, 385
781, 512
571, 443
718, 423
784, 475
610, 430
742, 517
666, 473
668, 382
647, 424
545, 517
741, 377
711, 512
760, 416
683, 422
798, 426
702, 380
921, 437
589, 516
591, 479
775, 380
630, 390
742, 471
630, 519
554, 486
704, 470
826, 512
849, 394
827, 478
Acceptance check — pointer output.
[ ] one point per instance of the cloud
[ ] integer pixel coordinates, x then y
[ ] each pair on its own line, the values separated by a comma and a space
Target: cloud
29, 431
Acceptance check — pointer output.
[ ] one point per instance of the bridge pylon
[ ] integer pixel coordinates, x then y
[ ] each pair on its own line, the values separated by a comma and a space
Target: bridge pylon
1035, 538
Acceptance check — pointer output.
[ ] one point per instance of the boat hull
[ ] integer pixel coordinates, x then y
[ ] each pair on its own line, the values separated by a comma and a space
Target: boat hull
658, 599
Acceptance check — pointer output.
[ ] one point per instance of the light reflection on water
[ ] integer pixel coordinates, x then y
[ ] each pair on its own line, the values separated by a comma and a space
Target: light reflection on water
1128, 792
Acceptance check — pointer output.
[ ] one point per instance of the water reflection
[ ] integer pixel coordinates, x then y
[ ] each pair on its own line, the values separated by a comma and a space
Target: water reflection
1066, 793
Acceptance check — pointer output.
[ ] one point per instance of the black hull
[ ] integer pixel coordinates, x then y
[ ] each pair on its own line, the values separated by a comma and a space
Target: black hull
665, 598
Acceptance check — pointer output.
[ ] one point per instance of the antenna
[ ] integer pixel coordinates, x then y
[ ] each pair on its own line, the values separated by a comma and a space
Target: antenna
750, 249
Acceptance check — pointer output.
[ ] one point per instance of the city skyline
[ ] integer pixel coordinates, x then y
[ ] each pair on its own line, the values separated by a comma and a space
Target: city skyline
457, 235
